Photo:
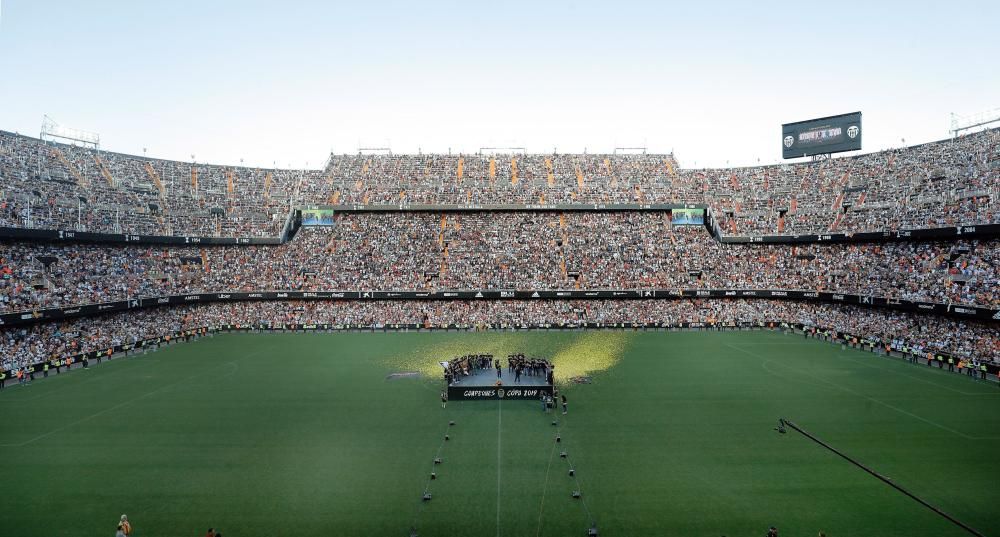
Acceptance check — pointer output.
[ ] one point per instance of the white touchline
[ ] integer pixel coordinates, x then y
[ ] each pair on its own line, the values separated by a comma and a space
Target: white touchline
499, 421
868, 397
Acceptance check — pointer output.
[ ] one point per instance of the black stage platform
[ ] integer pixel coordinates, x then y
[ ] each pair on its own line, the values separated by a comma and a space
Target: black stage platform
482, 384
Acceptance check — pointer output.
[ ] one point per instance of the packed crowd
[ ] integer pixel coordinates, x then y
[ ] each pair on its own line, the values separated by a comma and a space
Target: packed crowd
425, 251
65, 187
941, 184
510, 178
36, 343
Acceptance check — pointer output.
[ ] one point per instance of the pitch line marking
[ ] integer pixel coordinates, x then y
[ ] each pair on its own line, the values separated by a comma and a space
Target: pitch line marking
784, 377
874, 400
873, 366
499, 418
545, 488
963, 392
123, 403
97, 377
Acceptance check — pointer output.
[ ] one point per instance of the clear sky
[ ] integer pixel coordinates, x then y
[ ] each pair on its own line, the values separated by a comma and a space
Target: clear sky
288, 82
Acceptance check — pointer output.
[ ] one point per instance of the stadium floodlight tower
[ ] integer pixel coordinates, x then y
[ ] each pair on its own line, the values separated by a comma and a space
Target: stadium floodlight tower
502, 150
374, 150
53, 131
961, 124
630, 150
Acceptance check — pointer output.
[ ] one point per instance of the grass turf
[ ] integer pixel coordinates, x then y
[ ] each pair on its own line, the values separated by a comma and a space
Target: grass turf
285, 434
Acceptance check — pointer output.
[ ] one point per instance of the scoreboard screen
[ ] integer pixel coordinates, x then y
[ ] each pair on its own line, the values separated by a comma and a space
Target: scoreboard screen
824, 135
317, 217
687, 217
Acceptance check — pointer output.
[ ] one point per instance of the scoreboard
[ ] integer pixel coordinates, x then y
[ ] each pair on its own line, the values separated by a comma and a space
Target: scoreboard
317, 217
832, 134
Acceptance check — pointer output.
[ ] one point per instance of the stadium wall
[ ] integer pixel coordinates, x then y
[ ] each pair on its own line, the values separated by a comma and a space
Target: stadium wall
981, 231
54, 235
932, 308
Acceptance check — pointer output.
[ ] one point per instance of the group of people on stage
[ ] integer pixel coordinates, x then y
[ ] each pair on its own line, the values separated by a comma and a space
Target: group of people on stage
467, 365
517, 365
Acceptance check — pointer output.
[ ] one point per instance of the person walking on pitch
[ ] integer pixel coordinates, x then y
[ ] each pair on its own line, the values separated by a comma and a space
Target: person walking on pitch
124, 527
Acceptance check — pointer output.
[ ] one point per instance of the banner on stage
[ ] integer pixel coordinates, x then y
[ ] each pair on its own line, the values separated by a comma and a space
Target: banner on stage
467, 393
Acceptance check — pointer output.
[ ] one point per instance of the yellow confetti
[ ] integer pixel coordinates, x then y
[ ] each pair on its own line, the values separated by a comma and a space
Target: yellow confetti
572, 353
590, 353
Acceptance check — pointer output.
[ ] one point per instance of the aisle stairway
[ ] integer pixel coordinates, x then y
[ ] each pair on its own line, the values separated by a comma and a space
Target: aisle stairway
155, 177
80, 180
104, 171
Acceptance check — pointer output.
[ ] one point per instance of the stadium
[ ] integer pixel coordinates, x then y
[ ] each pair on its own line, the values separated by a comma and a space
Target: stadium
502, 340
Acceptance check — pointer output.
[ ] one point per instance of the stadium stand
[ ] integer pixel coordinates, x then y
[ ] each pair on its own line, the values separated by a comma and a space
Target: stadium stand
54, 186
940, 184
57, 186
430, 251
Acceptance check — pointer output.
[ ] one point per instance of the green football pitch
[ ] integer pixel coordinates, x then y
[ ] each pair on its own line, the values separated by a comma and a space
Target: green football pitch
309, 435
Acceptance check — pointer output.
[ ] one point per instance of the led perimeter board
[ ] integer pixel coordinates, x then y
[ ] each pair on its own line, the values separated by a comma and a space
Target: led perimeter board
832, 134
